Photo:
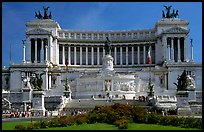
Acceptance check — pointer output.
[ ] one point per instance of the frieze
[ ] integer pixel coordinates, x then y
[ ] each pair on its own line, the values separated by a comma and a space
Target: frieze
38, 31
176, 30
153, 39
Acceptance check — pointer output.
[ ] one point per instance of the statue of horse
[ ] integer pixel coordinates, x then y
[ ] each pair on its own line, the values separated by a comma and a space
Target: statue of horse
38, 15
45, 12
168, 8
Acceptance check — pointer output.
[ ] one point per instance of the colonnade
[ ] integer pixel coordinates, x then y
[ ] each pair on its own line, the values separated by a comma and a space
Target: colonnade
176, 53
92, 55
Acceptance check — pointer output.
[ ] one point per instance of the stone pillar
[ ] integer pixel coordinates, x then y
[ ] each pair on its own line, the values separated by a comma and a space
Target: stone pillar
165, 81
191, 45
103, 52
115, 55
42, 51
46, 53
63, 55
126, 55
98, 60
24, 52
144, 55
50, 81
36, 51
164, 43
92, 56
50, 49
168, 47
138, 54
74, 55
69, 56
38, 107
86, 55
132, 55
172, 49
121, 55
185, 49
179, 49
29, 50
80, 55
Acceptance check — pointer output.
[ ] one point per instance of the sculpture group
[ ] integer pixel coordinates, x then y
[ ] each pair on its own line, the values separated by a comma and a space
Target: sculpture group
37, 81
46, 16
182, 82
168, 14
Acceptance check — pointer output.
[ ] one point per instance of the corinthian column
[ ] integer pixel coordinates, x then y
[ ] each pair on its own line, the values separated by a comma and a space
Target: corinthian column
115, 55
92, 56
138, 54
185, 49
80, 55
35, 51
98, 56
29, 50
42, 51
121, 56
126, 55
63, 57
168, 47
74, 55
86, 55
179, 49
144, 55
46, 54
172, 49
69, 56
132, 55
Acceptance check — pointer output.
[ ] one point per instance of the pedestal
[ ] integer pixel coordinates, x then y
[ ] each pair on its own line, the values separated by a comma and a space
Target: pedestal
38, 108
192, 94
27, 94
183, 107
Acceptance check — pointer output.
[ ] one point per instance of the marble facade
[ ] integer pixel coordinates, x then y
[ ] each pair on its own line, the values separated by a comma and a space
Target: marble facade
124, 72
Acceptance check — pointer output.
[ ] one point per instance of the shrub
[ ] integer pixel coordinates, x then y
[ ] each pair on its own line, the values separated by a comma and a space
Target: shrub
151, 118
139, 114
92, 118
36, 125
43, 124
54, 122
30, 126
63, 121
81, 119
20, 127
121, 123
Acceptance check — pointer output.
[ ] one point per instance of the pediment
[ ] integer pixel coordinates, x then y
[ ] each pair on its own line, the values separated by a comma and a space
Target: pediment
38, 31
176, 30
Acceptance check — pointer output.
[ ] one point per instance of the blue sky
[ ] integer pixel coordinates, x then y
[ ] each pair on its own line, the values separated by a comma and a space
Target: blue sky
94, 16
